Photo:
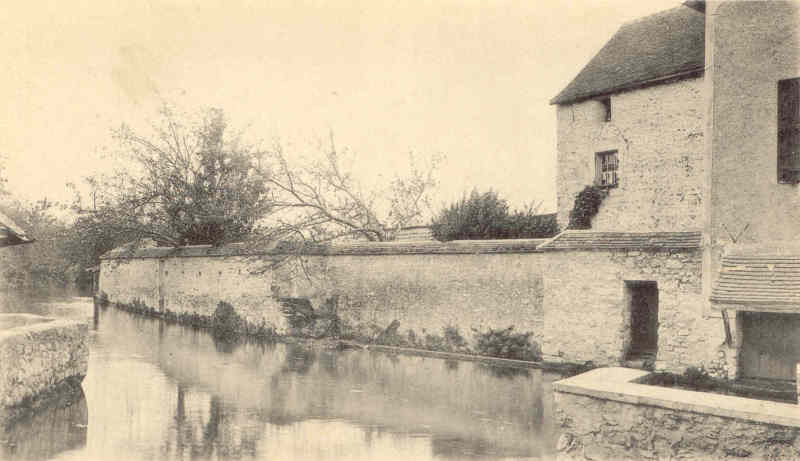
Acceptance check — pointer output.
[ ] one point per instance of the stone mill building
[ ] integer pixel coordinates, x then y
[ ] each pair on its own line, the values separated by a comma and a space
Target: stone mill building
688, 121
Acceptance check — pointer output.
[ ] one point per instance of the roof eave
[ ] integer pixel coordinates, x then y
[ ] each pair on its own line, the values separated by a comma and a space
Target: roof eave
691, 73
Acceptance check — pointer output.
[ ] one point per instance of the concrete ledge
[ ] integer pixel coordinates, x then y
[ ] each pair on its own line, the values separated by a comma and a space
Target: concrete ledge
619, 385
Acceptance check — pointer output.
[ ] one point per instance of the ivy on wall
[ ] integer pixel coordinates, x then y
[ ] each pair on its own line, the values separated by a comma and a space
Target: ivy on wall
587, 203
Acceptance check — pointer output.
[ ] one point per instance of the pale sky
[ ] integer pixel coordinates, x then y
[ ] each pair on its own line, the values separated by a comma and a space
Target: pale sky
467, 79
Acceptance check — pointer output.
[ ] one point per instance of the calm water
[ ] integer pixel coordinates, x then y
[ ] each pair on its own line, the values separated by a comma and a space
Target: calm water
166, 392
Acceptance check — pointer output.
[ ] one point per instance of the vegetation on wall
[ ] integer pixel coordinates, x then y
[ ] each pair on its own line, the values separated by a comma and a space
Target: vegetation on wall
587, 204
487, 216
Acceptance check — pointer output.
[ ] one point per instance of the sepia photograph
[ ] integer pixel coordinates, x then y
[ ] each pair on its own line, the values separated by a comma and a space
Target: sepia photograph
380, 230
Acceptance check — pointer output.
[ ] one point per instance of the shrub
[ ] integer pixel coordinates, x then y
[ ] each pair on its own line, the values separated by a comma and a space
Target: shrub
226, 324
486, 216
697, 378
587, 204
102, 299
507, 344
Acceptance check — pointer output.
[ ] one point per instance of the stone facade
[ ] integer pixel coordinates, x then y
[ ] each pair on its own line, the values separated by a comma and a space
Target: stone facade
750, 47
657, 132
587, 317
38, 354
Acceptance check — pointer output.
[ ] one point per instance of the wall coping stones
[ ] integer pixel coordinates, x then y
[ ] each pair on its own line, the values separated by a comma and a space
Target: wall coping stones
619, 384
600, 240
348, 249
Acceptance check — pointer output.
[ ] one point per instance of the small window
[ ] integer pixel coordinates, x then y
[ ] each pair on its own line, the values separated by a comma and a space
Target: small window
606, 167
789, 131
607, 107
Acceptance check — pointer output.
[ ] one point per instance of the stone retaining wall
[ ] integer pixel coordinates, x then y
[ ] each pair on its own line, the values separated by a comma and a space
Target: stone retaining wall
39, 354
604, 415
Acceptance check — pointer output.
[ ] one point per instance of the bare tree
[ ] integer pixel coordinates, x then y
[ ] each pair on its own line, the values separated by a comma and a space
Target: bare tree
322, 201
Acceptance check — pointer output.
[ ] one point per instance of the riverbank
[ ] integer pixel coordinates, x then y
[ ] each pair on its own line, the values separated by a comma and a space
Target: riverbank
234, 328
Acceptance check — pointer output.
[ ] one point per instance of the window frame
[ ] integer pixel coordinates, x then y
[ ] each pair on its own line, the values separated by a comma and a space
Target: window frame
599, 166
606, 102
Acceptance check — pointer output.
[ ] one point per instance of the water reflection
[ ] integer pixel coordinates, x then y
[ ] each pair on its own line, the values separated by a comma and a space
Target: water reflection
160, 391
58, 426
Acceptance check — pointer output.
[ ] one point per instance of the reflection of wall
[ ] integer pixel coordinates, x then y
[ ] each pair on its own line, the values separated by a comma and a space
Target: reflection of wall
49, 430
294, 388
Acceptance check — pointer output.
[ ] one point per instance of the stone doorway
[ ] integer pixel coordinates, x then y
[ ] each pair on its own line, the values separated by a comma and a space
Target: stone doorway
642, 298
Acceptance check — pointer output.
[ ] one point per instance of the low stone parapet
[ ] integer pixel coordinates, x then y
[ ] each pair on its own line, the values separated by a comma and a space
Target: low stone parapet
39, 355
606, 414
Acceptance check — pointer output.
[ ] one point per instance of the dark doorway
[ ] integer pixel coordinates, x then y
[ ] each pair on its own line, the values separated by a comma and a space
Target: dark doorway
643, 304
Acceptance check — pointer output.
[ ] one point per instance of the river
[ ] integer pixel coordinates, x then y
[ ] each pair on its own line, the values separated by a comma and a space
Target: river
156, 391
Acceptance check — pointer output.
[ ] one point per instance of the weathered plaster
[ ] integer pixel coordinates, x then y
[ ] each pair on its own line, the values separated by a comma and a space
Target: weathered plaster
658, 133
586, 317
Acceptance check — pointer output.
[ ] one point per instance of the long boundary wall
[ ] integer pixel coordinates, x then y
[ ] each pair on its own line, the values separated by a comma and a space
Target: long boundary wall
574, 302
426, 286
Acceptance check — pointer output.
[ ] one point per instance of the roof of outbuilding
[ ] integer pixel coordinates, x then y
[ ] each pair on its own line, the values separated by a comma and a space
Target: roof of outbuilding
593, 240
662, 46
758, 278
11, 233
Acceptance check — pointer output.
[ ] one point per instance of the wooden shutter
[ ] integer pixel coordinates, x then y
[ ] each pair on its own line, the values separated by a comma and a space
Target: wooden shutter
789, 131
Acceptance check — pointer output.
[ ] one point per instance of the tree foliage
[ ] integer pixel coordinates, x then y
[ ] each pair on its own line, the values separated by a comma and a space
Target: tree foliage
42, 264
188, 182
487, 216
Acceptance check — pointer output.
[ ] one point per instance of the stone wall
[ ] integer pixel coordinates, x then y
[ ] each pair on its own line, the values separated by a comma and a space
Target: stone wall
195, 285
587, 316
601, 418
428, 292
425, 286
658, 134
574, 302
38, 354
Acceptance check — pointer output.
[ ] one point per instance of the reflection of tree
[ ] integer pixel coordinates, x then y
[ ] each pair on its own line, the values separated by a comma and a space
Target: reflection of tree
217, 436
299, 359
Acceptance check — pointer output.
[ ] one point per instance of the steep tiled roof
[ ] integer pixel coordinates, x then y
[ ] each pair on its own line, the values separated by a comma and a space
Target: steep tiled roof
760, 278
593, 240
665, 45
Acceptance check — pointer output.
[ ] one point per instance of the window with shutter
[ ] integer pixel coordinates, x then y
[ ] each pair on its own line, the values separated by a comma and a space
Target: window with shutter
789, 131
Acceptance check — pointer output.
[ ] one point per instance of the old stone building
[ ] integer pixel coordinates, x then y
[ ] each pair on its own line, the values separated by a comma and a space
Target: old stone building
688, 122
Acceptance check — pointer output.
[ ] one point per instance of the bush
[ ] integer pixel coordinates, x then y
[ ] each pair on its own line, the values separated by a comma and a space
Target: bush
226, 324
102, 299
507, 344
587, 204
486, 216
